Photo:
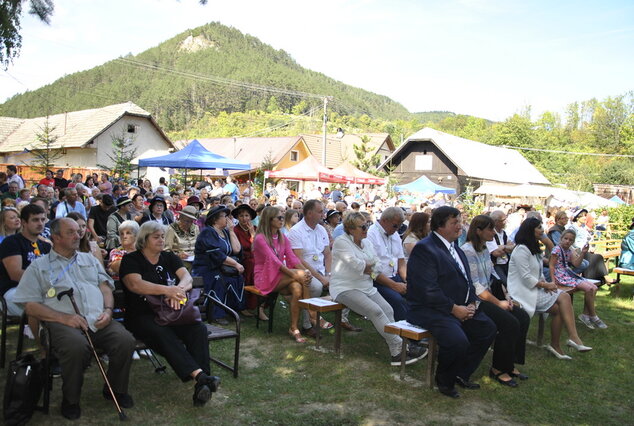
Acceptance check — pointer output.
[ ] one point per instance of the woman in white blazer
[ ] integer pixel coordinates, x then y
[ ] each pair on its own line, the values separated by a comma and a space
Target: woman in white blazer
527, 286
353, 262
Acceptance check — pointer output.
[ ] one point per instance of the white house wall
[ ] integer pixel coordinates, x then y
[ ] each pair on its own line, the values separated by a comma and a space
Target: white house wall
147, 140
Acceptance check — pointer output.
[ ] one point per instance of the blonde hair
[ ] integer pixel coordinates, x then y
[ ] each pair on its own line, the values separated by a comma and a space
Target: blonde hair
264, 226
3, 213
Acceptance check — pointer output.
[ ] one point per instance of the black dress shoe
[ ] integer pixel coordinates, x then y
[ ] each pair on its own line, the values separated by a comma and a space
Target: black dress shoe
448, 391
520, 376
467, 384
70, 411
510, 383
124, 399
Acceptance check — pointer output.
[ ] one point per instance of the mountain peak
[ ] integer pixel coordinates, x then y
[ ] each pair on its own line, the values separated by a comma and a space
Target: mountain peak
194, 44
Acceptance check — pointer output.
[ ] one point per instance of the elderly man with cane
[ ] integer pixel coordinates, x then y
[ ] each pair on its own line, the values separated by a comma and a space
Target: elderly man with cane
75, 329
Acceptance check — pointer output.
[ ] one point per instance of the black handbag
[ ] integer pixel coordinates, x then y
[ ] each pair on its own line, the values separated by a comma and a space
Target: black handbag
229, 271
165, 315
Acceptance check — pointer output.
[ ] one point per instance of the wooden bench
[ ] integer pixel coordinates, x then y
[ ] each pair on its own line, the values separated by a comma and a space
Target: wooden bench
609, 249
621, 271
320, 305
407, 332
271, 298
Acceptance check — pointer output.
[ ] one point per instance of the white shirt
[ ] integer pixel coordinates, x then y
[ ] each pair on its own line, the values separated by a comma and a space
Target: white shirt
348, 264
493, 245
388, 249
312, 242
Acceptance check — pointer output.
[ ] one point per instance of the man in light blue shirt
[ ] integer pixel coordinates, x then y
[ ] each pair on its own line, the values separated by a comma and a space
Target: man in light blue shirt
70, 204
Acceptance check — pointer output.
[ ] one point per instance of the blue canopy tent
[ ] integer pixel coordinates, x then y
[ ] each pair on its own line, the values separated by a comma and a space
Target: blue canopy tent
194, 156
424, 185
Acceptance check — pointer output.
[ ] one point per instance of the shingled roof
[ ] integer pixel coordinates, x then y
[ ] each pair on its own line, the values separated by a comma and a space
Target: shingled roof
476, 159
73, 129
339, 150
249, 150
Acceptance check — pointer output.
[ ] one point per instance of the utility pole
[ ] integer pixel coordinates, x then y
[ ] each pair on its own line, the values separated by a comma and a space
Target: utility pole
323, 153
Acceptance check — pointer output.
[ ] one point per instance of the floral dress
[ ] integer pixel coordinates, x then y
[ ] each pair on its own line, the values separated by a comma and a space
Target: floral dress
563, 273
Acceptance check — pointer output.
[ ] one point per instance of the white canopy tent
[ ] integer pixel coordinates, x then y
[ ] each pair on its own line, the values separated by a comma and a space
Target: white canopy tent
553, 196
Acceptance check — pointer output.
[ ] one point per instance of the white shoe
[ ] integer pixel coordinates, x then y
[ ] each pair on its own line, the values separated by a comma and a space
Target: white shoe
586, 321
580, 348
557, 354
597, 322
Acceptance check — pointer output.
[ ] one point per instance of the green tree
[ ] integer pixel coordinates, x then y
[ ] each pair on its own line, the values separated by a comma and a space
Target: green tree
123, 152
45, 153
258, 181
365, 160
10, 15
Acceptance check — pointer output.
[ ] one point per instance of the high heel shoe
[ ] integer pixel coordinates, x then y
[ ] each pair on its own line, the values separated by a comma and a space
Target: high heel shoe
580, 348
557, 354
510, 383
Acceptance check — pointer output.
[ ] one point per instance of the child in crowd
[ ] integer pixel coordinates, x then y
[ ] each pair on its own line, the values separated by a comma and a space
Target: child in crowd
562, 259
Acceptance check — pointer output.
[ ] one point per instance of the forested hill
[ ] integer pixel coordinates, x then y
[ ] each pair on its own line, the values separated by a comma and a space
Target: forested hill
178, 81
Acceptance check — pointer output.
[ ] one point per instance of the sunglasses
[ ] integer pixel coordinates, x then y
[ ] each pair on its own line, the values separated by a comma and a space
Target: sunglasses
279, 217
363, 227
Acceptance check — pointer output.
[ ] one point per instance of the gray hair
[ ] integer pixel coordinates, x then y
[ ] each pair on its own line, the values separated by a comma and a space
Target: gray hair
130, 225
497, 215
393, 213
350, 221
534, 213
147, 229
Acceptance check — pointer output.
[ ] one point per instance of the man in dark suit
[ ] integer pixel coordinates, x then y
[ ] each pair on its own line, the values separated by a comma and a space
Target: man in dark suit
443, 300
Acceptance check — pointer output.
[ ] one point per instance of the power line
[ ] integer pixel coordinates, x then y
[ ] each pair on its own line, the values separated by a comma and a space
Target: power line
555, 151
219, 80
279, 126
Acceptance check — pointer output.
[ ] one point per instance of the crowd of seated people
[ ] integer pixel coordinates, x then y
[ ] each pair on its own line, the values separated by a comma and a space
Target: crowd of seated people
384, 263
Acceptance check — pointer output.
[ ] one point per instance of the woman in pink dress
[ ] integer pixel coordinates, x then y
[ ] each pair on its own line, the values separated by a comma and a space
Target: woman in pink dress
562, 260
273, 258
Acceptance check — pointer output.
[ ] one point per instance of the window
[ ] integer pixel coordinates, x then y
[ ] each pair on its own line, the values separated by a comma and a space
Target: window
131, 128
423, 162
294, 155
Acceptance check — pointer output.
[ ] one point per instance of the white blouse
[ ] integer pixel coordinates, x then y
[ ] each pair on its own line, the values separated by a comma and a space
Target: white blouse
525, 271
348, 264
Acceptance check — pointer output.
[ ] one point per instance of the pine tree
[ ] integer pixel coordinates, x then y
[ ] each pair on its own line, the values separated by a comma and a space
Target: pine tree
45, 153
366, 161
123, 152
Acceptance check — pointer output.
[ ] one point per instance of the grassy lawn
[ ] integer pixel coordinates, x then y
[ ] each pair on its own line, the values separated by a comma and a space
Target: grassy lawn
282, 382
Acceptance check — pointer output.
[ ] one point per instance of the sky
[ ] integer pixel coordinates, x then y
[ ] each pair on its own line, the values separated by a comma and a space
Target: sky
487, 58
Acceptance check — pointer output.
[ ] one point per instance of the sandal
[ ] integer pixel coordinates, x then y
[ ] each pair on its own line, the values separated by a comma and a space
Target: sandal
297, 336
246, 313
325, 325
